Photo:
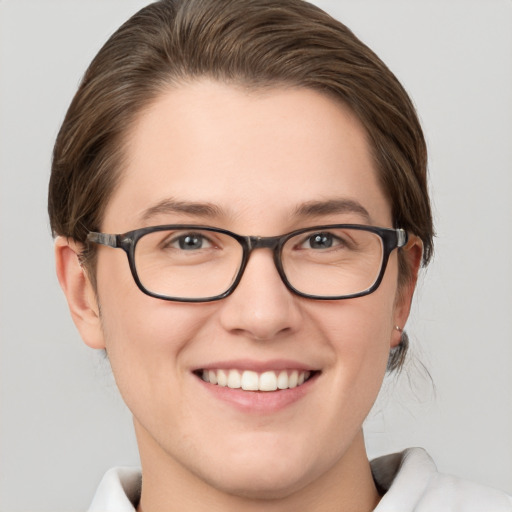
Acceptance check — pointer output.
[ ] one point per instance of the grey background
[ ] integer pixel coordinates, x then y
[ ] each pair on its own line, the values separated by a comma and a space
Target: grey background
62, 422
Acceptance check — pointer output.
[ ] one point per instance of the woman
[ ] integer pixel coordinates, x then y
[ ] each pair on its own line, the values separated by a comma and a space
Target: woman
262, 176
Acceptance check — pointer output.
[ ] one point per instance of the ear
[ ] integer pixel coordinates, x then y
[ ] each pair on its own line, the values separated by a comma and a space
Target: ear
79, 292
413, 252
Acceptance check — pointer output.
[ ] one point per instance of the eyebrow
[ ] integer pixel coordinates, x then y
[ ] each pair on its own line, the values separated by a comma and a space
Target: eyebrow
171, 205
332, 206
208, 210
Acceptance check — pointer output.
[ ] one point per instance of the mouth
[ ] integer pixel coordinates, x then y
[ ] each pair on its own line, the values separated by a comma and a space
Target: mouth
248, 380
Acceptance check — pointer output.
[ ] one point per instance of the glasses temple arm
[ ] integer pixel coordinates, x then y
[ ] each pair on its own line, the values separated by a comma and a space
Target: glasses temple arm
103, 239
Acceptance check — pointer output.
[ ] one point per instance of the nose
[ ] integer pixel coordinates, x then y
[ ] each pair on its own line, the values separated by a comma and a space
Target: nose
261, 307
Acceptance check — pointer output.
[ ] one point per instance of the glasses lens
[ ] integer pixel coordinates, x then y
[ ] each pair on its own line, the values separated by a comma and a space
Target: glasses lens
333, 263
187, 263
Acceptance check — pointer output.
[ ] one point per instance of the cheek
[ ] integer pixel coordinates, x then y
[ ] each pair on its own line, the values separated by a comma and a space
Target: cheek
147, 351
144, 337
360, 342
147, 330
135, 322
359, 333
359, 327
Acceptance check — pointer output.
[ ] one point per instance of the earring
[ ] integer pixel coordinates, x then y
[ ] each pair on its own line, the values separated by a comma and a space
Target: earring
399, 329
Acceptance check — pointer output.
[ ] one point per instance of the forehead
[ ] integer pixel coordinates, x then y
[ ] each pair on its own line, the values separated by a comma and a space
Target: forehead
250, 154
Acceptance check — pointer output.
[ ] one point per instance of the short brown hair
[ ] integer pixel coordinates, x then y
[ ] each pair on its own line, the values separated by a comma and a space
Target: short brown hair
255, 43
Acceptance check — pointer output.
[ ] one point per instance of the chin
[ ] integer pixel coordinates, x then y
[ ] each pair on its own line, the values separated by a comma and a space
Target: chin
262, 485
271, 477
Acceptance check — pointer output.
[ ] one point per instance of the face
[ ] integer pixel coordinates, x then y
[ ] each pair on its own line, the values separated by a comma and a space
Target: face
257, 158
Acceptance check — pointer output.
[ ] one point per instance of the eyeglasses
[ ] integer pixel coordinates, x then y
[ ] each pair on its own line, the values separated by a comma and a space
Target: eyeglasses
189, 263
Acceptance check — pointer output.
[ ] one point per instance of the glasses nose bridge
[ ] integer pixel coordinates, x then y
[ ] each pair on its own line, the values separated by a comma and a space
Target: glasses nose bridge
263, 242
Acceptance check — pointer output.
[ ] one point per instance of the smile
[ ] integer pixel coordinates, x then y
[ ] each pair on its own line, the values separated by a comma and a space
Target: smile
248, 380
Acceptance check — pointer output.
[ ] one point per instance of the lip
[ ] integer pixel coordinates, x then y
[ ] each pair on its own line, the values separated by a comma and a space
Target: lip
258, 402
275, 365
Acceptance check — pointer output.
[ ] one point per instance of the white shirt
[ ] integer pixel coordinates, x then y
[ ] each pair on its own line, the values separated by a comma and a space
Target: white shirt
409, 479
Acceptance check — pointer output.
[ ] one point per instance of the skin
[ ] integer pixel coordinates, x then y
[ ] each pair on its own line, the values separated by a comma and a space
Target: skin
256, 156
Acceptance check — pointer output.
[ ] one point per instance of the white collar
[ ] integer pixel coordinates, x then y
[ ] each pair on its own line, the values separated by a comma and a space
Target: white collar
403, 477
119, 491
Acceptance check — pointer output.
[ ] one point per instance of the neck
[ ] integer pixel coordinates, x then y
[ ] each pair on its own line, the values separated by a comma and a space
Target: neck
168, 485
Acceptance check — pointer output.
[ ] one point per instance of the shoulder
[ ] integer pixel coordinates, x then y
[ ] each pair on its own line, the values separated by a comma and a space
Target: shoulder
119, 491
411, 482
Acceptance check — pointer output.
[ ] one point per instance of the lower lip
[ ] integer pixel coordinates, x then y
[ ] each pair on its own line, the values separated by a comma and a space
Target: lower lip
259, 402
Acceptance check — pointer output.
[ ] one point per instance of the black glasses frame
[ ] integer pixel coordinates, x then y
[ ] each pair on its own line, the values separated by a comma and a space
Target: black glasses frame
391, 239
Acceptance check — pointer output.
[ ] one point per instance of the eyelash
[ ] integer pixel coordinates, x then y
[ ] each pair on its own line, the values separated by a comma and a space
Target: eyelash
337, 241
173, 239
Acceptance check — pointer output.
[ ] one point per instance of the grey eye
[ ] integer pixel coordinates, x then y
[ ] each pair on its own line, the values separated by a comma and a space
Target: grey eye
191, 242
320, 241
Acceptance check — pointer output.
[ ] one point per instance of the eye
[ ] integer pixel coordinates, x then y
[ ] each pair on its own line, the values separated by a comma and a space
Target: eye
189, 242
323, 240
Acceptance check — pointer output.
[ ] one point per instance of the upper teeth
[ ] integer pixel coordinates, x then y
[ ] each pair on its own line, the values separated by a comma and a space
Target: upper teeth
253, 381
